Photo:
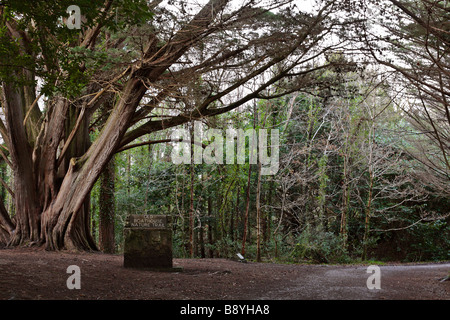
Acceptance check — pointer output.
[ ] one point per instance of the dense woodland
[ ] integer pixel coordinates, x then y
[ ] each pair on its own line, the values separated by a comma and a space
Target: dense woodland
358, 90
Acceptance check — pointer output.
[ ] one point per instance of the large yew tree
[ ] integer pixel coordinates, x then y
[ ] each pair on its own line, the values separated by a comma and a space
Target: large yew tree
134, 68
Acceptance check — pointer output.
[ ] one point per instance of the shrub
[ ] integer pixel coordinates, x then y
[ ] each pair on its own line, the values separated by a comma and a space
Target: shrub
320, 246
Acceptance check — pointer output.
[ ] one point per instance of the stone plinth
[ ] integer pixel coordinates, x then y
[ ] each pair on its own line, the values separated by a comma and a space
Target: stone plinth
148, 242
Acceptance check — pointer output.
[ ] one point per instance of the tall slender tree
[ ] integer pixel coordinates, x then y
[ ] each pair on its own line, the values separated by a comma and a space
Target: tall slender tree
106, 223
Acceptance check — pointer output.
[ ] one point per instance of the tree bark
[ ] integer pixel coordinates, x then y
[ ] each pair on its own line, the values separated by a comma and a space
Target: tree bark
107, 209
191, 197
61, 219
258, 215
210, 228
247, 205
26, 200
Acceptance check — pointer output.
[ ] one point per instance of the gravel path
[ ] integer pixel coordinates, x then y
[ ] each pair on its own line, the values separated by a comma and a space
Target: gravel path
36, 274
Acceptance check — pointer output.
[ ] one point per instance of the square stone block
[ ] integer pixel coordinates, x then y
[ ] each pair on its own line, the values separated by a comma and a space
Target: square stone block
147, 248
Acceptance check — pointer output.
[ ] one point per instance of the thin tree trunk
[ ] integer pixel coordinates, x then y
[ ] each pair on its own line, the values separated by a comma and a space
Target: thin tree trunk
107, 209
235, 214
268, 218
258, 215
247, 205
344, 210
345, 195
150, 151
368, 210
210, 228
201, 239
367, 218
191, 198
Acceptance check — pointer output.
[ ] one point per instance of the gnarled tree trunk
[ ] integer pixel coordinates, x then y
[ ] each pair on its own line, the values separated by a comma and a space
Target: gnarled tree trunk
26, 199
63, 220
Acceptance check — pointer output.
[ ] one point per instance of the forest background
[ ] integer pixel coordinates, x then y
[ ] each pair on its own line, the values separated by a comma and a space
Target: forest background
364, 131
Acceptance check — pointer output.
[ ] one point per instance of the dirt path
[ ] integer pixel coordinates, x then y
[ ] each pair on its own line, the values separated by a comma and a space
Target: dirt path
397, 282
36, 274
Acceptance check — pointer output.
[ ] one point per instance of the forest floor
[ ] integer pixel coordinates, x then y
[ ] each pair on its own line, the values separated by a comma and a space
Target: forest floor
32, 273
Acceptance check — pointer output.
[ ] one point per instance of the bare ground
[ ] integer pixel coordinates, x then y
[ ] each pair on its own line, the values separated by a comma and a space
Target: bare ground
31, 273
